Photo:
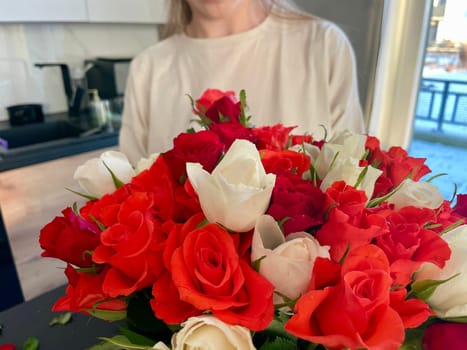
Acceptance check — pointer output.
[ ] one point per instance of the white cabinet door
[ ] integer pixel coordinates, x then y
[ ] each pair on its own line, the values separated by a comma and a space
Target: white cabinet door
127, 11
43, 11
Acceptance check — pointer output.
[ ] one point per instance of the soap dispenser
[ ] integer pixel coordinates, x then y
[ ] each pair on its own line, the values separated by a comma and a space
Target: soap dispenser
97, 110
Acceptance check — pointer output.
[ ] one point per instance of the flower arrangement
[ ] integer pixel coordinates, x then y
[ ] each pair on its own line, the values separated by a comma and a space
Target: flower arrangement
244, 237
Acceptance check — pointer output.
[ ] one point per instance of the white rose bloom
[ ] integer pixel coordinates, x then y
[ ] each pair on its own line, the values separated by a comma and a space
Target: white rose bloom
96, 180
450, 298
145, 163
160, 346
288, 262
416, 194
348, 170
345, 145
238, 191
208, 333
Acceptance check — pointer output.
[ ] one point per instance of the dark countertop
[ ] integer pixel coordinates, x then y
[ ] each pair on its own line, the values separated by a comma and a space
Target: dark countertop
44, 151
31, 319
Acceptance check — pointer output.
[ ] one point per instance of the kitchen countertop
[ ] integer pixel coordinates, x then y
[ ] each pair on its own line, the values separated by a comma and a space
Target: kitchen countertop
44, 151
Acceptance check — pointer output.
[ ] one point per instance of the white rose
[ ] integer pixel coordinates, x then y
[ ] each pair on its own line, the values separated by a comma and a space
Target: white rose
343, 145
146, 163
416, 194
95, 179
238, 191
450, 298
160, 346
348, 170
208, 333
289, 261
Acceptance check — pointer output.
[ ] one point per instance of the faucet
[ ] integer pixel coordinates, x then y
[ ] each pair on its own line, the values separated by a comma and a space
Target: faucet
74, 98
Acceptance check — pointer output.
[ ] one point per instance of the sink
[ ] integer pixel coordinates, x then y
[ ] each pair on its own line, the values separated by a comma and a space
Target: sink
31, 134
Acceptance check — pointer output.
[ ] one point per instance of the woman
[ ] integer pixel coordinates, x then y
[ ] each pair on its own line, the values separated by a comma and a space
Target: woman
296, 69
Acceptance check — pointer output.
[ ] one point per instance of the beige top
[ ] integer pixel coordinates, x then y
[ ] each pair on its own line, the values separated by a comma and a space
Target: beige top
295, 72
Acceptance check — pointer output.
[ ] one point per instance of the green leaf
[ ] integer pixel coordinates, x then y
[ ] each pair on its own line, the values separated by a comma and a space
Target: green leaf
87, 196
124, 343
377, 201
325, 131
32, 343
62, 319
136, 338
98, 223
243, 118
117, 182
413, 339
347, 250
435, 176
452, 226
257, 263
462, 319
75, 209
423, 289
279, 344
105, 346
107, 315
361, 176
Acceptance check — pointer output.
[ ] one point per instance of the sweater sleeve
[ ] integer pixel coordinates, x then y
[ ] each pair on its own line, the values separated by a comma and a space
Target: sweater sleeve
345, 108
133, 133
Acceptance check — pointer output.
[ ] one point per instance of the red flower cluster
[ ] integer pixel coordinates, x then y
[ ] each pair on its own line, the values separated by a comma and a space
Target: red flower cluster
151, 234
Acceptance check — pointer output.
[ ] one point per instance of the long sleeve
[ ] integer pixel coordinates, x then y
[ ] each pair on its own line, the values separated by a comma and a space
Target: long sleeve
133, 133
344, 102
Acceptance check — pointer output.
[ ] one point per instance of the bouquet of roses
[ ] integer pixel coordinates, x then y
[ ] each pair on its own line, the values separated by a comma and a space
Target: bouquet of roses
244, 237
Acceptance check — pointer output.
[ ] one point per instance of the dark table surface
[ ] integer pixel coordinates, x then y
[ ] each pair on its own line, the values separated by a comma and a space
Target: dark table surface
31, 319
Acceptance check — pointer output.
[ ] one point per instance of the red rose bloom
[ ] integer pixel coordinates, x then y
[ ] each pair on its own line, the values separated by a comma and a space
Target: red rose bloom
348, 216
203, 147
7, 347
344, 315
274, 137
461, 205
209, 275
445, 335
84, 293
132, 247
297, 203
408, 244
68, 237
285, 162
229, 132
210, 96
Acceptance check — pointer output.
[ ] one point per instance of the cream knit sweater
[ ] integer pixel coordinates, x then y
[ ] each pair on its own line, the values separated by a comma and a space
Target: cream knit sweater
295, 72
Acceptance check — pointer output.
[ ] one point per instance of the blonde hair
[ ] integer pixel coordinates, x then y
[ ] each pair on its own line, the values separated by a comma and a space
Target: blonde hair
180, 15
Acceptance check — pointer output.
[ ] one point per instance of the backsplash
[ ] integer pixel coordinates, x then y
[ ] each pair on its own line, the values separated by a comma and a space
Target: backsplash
22, 45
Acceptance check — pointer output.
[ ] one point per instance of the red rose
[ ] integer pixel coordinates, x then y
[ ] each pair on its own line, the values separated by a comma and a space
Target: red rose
300, 139
285, 162
445, 335
298, 203
224, 110
461, 205
274, 137
210, 96
203, 147
68, 238
349, 223
132, 247
174, 201
413, 312
7, 347
209, 274
408, 244
360, 301
84, 293
229, 132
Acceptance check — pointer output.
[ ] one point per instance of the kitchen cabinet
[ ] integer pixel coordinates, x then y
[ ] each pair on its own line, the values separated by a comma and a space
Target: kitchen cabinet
43, 11
127, 11
87, 11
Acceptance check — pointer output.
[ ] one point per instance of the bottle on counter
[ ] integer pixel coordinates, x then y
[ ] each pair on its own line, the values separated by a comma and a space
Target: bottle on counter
99, 110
